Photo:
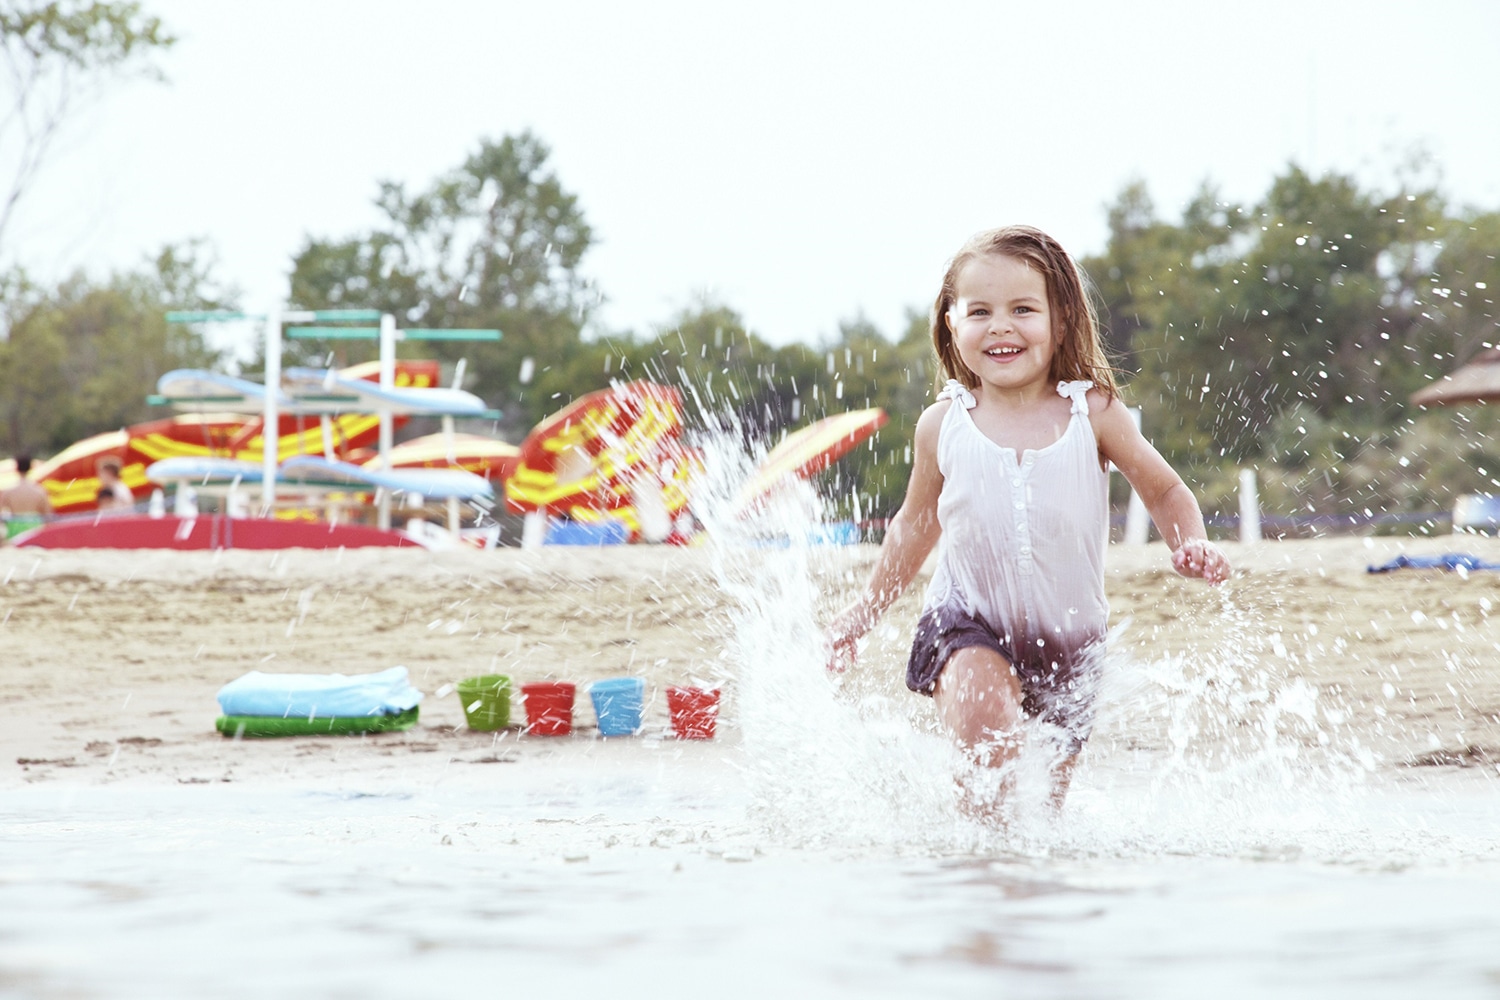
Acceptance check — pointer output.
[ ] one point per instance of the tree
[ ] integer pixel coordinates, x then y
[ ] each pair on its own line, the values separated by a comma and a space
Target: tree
1464, 284
82, 357
58, 56
732, 379
496, 243
898, 376
1289, 335
1162, 286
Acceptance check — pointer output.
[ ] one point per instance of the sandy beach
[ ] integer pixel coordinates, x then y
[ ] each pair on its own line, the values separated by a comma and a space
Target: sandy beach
1290, 790
112, 659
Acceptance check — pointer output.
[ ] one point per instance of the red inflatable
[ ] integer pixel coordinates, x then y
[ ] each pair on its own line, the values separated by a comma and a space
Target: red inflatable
215, 531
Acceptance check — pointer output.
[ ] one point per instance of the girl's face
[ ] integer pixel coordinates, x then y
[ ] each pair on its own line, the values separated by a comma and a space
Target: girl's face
1002, 322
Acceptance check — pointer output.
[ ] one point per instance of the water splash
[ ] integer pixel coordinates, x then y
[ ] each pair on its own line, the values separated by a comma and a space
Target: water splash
832, 762
1223, 750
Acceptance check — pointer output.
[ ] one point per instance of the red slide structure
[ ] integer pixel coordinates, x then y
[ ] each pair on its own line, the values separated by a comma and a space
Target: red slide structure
71, 476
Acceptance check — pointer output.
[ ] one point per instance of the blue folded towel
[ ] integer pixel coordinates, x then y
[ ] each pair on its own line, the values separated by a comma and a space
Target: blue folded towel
1450, 561
319, 696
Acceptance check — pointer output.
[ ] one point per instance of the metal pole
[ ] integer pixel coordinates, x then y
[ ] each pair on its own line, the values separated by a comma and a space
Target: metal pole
1137, 519
270, 433
454, 522
387, 424
1249, 507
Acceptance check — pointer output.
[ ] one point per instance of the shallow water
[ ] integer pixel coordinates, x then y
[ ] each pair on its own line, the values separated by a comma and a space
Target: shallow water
651, 875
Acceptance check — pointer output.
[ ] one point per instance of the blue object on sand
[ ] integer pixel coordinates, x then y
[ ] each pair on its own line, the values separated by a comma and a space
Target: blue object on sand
609, 531
319, 696
1448, 561
834, 533
617, 703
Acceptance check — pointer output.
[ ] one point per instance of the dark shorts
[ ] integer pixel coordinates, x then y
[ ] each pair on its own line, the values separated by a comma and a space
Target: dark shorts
1059, 681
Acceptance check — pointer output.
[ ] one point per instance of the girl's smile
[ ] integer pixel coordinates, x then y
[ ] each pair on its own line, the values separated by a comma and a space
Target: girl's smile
1002, 323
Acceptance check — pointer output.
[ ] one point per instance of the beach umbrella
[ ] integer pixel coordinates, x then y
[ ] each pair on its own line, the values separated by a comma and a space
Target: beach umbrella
71, 477
582, 455
812, 449
484, 456
409, 373
1476, 382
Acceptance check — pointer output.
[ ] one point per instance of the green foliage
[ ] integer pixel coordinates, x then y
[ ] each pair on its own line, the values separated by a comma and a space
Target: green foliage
87, 35
1460, 292
899, 376
82, 357
1289, 336
495, 244
58, 55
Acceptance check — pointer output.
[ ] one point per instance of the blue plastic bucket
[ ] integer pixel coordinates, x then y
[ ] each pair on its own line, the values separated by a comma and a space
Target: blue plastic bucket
617, 704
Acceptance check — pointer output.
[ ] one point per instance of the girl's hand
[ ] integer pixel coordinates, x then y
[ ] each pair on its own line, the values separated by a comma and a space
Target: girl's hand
842, 654
841, 641
1201, 558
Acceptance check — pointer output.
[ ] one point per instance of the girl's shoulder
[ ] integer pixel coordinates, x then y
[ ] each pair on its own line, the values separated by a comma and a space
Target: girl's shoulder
1101, 402
938, 408
934, 413
930, 423
1111, 420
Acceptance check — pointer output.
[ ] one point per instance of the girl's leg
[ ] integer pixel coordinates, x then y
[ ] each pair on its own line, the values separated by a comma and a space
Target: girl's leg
1062, 776
978, 699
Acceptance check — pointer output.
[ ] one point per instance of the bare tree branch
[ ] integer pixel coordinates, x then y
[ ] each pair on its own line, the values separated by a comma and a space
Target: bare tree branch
60, 56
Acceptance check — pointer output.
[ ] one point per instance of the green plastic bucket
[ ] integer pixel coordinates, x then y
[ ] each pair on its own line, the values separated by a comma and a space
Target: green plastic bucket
486, 701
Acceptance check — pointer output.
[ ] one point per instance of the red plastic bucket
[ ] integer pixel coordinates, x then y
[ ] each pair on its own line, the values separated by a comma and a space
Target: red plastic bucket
694, 712
549, 708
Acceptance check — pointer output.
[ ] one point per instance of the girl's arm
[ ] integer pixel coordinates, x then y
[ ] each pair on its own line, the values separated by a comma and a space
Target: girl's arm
1172, 506
908, 540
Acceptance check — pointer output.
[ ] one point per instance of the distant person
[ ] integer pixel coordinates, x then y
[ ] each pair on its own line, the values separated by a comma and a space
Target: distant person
25, 505
1010, 473
113, 493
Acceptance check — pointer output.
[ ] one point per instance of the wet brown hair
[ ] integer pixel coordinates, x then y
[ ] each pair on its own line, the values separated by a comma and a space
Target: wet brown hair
1075, 323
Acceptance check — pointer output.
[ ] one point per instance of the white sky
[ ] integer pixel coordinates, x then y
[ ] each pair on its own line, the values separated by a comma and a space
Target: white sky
802, 162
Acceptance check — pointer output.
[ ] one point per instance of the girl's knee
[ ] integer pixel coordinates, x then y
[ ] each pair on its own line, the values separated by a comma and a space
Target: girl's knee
979, 697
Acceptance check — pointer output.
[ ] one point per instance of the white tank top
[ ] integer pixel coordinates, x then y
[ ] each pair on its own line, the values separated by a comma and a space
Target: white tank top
1023, 538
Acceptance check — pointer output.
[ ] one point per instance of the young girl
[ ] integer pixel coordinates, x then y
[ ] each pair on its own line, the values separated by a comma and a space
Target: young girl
1010, 470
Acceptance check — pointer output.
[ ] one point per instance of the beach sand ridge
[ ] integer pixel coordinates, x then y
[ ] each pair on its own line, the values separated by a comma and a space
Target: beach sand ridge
112, 659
